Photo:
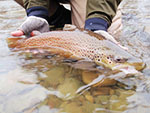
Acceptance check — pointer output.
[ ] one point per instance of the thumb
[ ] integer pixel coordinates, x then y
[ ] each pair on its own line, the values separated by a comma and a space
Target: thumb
17, 33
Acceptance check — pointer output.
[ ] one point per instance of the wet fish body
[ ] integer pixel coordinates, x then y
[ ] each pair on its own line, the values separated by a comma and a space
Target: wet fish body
80, 45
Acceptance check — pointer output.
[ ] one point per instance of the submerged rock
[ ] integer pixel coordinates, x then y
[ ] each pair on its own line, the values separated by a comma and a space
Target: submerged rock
69, 87
88, 77
54, 77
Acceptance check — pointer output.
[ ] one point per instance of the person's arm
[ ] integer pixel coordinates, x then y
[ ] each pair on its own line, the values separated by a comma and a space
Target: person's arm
99, 17
38, 8
99, 14
37, 12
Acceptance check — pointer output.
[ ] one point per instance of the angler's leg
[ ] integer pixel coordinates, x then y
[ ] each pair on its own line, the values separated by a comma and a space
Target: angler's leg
41, 14
78, 14
61, 16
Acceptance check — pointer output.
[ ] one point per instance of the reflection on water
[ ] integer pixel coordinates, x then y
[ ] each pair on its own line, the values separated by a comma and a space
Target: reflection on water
49, 85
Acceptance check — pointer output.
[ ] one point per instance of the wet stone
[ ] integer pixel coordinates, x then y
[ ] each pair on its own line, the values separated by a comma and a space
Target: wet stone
103, 91
69, 87
88, 77
102, 99
89, 97
71, 107
78, 107
54, 102
119, 102
54, 77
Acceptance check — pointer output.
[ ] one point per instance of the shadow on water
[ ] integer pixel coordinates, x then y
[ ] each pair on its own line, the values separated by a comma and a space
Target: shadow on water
37, 84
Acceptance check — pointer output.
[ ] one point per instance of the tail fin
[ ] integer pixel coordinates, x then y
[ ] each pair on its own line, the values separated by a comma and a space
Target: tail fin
14, 42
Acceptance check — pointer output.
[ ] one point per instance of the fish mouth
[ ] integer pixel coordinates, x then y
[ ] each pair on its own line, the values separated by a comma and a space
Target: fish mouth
137, 63
129, 68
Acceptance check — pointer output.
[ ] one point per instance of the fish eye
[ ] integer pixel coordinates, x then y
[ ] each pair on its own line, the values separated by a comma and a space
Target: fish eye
119, 60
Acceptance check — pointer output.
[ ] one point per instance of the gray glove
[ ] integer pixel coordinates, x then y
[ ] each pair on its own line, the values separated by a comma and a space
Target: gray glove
109, 37
33, 23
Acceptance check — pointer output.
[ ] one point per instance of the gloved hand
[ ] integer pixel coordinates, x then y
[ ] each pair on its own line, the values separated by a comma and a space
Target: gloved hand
109, 37
32, 23
100, 26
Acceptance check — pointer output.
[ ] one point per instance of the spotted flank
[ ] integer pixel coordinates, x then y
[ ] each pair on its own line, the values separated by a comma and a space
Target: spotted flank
81, 45
104, 60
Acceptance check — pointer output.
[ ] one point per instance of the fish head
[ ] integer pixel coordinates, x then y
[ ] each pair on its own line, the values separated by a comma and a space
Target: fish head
116, 58
118, 63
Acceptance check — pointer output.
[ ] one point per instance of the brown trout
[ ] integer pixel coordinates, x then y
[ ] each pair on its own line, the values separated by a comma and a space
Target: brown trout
80, 45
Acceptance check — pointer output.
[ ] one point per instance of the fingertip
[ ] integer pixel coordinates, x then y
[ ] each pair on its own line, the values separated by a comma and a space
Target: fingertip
17, 33
35, 33
32, 33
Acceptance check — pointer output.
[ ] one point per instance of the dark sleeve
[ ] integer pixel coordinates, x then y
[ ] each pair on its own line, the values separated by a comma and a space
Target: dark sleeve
99, 13
37, 8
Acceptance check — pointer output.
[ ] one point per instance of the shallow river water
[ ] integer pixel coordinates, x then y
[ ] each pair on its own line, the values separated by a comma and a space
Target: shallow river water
49, 85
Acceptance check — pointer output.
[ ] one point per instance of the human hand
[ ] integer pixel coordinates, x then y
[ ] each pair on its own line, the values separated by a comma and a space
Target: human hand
32, 23
109, 37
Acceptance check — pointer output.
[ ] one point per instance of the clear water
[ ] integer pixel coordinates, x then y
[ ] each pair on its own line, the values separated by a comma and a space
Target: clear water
49, 85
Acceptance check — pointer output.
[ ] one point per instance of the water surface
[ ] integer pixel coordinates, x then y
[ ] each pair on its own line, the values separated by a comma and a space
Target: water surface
49, 84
